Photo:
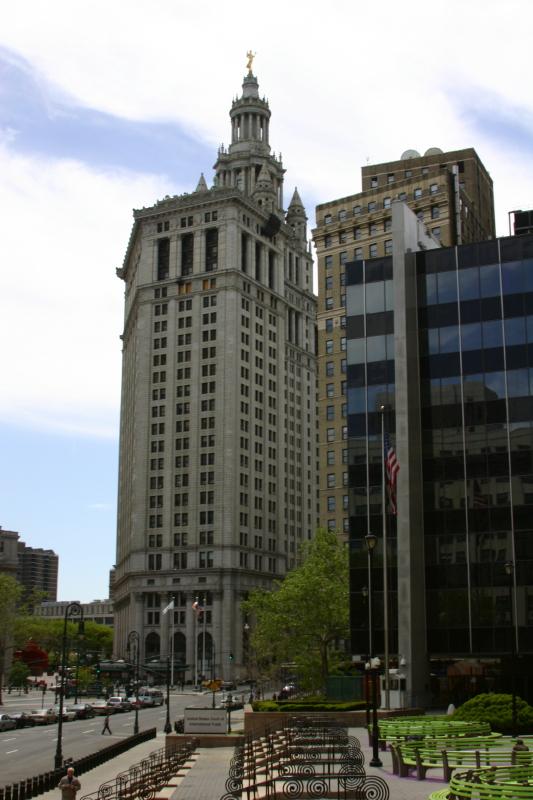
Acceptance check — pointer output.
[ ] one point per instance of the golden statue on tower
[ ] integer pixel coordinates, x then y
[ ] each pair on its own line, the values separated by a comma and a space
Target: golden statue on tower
250, 56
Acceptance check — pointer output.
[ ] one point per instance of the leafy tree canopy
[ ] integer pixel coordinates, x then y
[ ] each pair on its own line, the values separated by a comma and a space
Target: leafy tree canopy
18, 674
303, 618
10, 593
48, 634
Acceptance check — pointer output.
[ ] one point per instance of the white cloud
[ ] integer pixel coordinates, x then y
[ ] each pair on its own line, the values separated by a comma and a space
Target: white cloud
65, 231
346, 82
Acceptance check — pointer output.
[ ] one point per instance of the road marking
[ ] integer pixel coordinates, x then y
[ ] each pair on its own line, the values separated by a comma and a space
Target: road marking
8, 752
89, 731
10, 740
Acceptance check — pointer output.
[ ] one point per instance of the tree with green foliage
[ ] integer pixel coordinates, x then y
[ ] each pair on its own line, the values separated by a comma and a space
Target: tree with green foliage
306, 614
48, 634
10, 593
19, 674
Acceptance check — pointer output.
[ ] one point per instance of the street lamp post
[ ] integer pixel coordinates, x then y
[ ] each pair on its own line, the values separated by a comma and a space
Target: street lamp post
168, 726
77, 674
134, 640
364, 592
373, 665
72, 610
246, 647
509, 569
213, 660
229, 704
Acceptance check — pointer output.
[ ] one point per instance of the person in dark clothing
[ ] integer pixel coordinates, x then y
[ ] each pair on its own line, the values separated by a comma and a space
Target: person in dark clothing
106, 728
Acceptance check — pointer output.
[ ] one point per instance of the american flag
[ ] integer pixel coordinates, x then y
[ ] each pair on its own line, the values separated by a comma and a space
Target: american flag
480, 499
392, 468
197, 606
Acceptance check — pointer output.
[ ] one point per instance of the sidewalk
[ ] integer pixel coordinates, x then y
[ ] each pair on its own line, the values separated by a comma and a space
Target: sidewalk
207, 777
92, 780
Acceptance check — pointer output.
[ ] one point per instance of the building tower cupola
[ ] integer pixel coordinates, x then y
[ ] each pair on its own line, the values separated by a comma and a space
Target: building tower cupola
242, 162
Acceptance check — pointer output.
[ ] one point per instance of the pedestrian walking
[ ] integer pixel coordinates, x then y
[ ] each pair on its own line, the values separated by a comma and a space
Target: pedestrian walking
69, 785
106, 727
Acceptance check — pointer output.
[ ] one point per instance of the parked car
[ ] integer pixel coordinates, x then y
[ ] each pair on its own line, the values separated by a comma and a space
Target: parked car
82, 710
228, 686
119, 703
44, 716
6, 723
233, 705
68, 716
22, 719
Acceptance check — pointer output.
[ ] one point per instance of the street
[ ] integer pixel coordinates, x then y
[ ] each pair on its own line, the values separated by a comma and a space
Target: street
30, 751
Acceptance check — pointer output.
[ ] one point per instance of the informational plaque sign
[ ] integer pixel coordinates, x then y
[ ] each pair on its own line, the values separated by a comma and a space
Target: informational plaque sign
206, 720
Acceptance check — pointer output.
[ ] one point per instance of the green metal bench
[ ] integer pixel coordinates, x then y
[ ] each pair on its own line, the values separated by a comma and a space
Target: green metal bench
421, 759
403, 751
394, 731
492, 783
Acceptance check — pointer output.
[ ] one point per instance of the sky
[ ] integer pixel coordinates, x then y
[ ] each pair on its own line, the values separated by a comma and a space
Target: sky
108, 105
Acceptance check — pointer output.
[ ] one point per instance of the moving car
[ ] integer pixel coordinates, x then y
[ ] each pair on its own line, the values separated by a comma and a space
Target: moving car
44, 716
119, 703
82, 710
101, 708
6, 723
154, 697
22, 719
146, 701
68, 716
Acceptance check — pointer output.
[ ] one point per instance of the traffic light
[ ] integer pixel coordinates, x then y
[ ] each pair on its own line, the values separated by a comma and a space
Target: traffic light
97, 669
231, 656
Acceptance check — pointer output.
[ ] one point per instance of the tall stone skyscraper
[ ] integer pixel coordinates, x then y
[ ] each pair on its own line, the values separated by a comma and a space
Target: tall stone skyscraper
218, 458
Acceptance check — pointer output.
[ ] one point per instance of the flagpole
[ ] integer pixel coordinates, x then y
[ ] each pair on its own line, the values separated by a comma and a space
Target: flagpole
196, 645
172, 647
385, 562
203, 637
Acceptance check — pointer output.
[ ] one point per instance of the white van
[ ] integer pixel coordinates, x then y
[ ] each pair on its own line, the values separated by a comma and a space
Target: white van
152, 697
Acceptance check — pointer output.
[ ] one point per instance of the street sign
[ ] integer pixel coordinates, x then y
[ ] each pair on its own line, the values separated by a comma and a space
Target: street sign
213, 686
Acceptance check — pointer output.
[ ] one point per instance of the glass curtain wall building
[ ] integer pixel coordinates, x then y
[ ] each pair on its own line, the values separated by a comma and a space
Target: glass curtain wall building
443, 338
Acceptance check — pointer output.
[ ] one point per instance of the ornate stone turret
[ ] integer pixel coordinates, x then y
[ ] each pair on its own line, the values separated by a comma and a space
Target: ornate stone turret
296, 217
249, 152
202, 185
264, 193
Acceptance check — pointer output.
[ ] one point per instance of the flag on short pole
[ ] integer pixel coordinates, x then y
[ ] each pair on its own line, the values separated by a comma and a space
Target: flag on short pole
392, 468
169, 607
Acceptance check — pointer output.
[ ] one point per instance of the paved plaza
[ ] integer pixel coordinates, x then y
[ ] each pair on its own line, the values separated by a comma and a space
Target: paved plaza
206, 778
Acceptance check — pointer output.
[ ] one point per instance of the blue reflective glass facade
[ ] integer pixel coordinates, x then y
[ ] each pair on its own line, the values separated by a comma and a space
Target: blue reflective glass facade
474, 317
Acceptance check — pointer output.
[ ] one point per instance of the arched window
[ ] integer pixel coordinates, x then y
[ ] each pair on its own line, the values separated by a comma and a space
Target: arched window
152, 647
180, 649
207, 667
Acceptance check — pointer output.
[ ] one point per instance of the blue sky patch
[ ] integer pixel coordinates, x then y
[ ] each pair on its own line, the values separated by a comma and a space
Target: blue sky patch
44, 123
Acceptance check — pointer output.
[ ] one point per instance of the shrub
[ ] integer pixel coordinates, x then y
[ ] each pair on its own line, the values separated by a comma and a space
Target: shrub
308, 704
496, 709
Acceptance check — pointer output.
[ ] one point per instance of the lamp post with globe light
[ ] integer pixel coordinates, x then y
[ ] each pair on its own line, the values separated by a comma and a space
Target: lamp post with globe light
74, 610
133, 642
509, 569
